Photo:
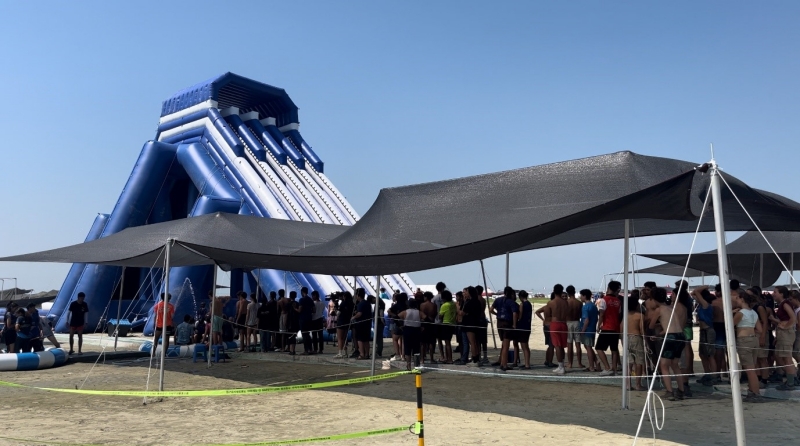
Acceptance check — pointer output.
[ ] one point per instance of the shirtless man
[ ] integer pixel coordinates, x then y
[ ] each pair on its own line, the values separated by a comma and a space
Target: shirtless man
545, 313
241, 320
284, 307
651, 312
559, 310
216, 318
574, 326
428, 314
636, 353
674, 341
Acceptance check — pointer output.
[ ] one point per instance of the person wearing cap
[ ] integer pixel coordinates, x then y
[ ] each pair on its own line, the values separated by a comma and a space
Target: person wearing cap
160, 323
76, 315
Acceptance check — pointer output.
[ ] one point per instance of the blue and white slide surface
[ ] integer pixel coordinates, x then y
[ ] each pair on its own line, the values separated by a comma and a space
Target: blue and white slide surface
10, 362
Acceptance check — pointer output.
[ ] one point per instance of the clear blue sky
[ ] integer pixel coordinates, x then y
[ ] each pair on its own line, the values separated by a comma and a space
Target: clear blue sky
398, 93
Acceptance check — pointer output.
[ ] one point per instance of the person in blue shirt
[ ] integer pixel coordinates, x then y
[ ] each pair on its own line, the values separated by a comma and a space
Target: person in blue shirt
589, 316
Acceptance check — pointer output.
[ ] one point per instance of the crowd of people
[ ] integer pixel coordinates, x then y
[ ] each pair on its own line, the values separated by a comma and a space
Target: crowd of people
660, 329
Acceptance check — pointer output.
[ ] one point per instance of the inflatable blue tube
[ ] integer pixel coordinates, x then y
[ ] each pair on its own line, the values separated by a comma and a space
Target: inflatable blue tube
274, 148
10, 362
222, 126
287, 146
132, 209
181, 121
244, 132
181, 351
311, 157
183, 136
76, 271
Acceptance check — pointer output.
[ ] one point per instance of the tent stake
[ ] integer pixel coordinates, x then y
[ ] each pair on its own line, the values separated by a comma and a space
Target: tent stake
164, 320
724, 279
625, 377
486, 290
375, 328
119, 307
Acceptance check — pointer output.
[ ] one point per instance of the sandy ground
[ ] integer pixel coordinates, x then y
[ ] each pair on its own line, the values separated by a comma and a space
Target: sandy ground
459, 409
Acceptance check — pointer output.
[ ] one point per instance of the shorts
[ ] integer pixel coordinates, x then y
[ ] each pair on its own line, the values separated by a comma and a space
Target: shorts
763, 352
707, 338
504, 330
674, 343
283, 323
170, 330
483, 333
445, 332
688, 332
363, 331
547, 341
719, 340
607, 340
747, 347
411, 342
429, 334
635, 350
397, 330
9, 336
573, 331
47, 331
241, 320
784, 342
558, 334
587, 339
216, 324
523, 336
77, 329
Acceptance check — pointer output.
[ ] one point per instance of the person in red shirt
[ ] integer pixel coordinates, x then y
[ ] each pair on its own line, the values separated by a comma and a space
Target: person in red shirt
159, 313
608, 328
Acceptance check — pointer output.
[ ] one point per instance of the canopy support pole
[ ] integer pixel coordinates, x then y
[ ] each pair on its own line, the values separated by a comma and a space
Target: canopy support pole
724, 280
375, 328
761, 270
486, 290
791, 267
508, 263
164, 320
213, 303
625, 377
119, 307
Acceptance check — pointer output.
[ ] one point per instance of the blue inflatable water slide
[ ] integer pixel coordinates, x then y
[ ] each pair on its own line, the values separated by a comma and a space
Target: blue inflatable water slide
229, 144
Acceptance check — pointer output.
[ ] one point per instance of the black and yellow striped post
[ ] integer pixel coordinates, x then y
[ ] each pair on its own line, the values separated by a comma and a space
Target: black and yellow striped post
420, 427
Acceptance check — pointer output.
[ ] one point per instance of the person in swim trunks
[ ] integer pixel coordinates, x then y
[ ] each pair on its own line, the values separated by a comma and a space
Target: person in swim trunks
559, 310
674, 342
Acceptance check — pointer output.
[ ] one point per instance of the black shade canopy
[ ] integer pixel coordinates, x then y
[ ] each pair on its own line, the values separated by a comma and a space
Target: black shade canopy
449, 222
668, 269
744, 258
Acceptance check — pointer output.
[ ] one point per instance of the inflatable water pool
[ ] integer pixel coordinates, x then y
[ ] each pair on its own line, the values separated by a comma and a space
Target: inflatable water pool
181, 351
10, 362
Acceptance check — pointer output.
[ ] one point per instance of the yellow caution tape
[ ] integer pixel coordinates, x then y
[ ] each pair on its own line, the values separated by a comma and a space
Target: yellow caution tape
390, 430
325, 438
216, 392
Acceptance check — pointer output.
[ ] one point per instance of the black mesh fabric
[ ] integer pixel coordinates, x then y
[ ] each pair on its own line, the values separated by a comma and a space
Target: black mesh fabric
445, 223
744, 258
668, 269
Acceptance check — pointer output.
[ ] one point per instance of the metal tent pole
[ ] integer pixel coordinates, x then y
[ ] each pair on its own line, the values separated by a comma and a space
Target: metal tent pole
724, 280
164, 320
761, 270
119, 307
213, 302
486, 290
625, 377
375, 329
508, 263
791, 272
